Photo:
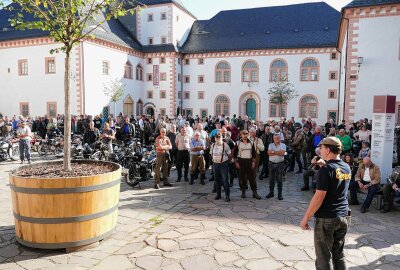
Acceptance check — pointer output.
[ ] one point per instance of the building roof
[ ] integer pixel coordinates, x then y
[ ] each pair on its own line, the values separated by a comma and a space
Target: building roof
366, 3
307, 25
157, 2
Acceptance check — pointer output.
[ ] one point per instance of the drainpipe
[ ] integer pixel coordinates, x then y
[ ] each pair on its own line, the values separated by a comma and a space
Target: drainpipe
340, 73
181, 110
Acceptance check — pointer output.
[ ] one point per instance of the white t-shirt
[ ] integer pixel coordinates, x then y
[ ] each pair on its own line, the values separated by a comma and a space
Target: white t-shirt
367, 177
363, 135
216, 152
24, 131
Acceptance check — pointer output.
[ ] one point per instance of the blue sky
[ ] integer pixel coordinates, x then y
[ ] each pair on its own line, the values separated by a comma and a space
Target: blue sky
205, 9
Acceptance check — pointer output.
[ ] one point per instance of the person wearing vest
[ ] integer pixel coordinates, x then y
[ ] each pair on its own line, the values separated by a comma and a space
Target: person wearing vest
276, 153
259, 146
226, 137
183, 157
197, 147
221, 154
245, 156
163, 145
267, 139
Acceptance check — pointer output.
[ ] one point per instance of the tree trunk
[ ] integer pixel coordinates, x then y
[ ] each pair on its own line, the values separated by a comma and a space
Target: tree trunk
67, 113
115, 109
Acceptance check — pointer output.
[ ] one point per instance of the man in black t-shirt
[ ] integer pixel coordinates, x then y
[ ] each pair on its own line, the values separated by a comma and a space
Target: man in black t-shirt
330, 208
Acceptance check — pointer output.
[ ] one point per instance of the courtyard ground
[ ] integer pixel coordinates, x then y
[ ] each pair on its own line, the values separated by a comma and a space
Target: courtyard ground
182, 227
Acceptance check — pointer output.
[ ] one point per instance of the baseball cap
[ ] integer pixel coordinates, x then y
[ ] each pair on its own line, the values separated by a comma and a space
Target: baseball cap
333, 141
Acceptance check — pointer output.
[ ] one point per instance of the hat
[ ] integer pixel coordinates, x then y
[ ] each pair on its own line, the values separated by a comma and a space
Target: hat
333, 141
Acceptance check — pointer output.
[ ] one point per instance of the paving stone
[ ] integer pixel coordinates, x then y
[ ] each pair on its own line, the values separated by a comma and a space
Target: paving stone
82, 261
180, 254
11, 266
10, 251
253, 252
242, 241
225, 257
199, 262
35, 264
240, 263
305, 266
262, 264
264, 241
224, 245
185, 230
243, 232
288, 254
129, 249
223, 230
175, 266
305, 239
201, 235
117, 262
163, 228
167, 245
152, 240
65, 267
254, 215
169, 235
194, 243
149, 262
144, 252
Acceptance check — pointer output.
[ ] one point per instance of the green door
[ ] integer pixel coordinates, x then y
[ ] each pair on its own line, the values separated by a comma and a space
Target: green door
251, 108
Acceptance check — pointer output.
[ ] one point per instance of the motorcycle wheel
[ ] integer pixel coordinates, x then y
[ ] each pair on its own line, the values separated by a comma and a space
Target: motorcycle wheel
41, 150
15, 153
130, 178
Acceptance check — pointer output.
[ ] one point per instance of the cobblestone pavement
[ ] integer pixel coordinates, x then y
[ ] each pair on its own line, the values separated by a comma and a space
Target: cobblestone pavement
182, 227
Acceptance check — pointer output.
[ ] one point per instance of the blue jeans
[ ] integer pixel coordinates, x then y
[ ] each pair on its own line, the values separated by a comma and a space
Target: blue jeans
24, 146
329, 238
221, 172
372, 190
275, 174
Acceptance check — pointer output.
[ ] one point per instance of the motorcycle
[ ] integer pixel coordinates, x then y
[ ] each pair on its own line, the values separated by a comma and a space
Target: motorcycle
140, 166
9, 149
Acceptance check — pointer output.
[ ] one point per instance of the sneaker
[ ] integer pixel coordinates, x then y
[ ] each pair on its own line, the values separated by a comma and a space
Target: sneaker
22, 162
270, 195
280, 197
157, 186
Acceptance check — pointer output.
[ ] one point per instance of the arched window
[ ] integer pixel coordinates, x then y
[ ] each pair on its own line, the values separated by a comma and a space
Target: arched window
139, 73
309, 106
128, 73
139, 107
277, 110
309, 70
279, 70
250, 71
222, 105
223, 72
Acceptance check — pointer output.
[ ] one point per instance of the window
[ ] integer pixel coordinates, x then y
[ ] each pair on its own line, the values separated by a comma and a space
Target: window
179, 77
200, 95
163, 76
150, 41
139, 107
332, 75
201, 79
52, 109
309, 70
149, 94
177, 18
163, 16
163, 40
106, 66
187, 61
279, 70
277, 110
201, 61
149, 77
179, 61
186, 79
23, 67
24, 109
149, 60
50, 65
163, 111
128, 74
139, 73
162, 60
223, 72
179, 95
333, 56
331, 93
222, 105
250, 71
186, 95
149, 17
163, 94
308, 106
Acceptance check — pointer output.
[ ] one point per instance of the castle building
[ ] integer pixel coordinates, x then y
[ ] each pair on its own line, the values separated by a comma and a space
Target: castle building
168, 62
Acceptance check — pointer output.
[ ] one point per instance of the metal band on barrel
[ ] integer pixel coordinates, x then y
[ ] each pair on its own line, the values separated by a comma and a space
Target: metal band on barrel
64, 190
66, 219
66, 244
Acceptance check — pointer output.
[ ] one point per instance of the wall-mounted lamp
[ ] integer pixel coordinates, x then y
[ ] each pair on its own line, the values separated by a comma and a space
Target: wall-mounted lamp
360, 60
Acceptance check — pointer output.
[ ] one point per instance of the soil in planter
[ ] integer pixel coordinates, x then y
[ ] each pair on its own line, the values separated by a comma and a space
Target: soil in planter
57, 170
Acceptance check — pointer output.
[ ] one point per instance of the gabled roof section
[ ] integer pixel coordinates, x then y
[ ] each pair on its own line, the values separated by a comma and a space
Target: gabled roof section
158, 2
310, 25
366, 3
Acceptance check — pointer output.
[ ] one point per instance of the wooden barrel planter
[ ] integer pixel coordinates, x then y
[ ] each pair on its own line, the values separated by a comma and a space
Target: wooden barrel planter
65, 212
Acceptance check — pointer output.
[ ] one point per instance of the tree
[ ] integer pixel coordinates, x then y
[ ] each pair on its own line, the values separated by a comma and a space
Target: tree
282, 91
68, 23
114, 90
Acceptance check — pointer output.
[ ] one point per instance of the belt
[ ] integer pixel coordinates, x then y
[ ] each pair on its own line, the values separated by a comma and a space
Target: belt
276, 162
196, 155
185, 150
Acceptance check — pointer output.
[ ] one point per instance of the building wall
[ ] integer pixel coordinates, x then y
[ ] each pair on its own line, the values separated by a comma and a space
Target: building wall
182, 23
237, 90
156, 28
37, 88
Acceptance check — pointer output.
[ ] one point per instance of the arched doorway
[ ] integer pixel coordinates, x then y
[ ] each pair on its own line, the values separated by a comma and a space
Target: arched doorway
150, 111
139, 108
251, 108
128, 106
250, 105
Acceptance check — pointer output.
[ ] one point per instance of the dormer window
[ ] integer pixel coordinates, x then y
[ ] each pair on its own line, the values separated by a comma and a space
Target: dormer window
163, 40
149, 17
163, 16
150, 41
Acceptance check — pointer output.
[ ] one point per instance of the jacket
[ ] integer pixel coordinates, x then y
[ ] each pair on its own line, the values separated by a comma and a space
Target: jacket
298, 140
374, 172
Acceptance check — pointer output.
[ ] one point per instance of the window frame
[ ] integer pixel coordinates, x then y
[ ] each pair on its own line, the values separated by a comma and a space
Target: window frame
335, 73
128, 70
163, 94
48, 108
223, 105
250, 71
309, 70
23, 67
186, 79
163, 40
186, 94
163, 16
200, 94
149, 77
150, 17
47, 65
200, 78
163, 76
108, 67
334, 91
139, 72
308, 107
149, 94
222, 71
278, 109
162, 60
278, 70
200, 61
21, 109
150, 41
